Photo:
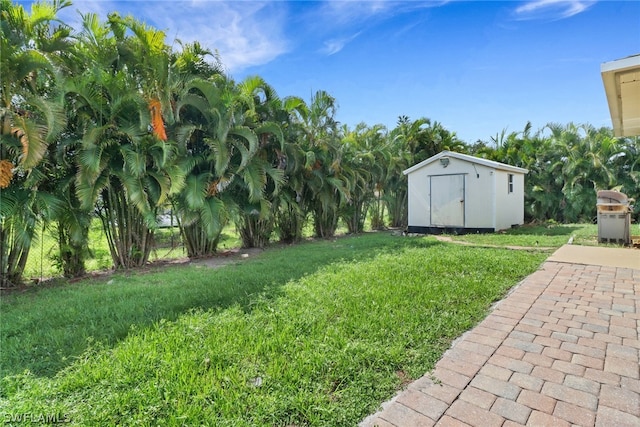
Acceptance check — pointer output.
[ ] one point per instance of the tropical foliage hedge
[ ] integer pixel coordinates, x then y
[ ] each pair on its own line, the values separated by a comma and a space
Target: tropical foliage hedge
108, 121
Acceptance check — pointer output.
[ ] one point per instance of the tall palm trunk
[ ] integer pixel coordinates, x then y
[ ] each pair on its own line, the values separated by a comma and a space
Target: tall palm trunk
11, 267
129, 238
15, 244
73, 253
290, 220
254, 231
20, 215
198, 241
354, 215
397, 205
325, 220
376, 210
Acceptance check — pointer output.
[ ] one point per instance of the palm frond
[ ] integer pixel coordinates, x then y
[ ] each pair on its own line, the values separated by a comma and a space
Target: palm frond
310, 160
90, 157
48, 205
31, 136
191, 100
88, 188
42, 12
54, 113
273, 129
212, 215
278, 178
255, 178
28, 61
176, 176
135, 161
9, 203
136, 192
195, 190
184, 133
221, 155
208, 89
158, 186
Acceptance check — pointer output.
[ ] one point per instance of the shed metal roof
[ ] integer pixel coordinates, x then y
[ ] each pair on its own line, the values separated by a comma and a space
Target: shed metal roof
621, 79
466, 158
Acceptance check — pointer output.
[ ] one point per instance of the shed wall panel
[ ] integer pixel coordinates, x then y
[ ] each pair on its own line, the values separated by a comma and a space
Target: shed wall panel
478, 197
510, 205
418, 199
479, 201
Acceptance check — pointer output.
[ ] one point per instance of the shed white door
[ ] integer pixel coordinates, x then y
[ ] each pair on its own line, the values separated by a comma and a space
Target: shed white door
447, 200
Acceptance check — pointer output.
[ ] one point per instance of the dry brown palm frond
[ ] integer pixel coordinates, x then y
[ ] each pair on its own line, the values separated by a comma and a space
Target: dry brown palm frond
6, 173
156, 119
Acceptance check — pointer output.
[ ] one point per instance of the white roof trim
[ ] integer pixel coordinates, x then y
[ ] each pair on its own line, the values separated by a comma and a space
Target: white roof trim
620, 64
623, 106
466, 158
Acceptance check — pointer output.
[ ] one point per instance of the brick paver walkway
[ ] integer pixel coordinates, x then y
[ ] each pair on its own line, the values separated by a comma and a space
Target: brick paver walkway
562, 349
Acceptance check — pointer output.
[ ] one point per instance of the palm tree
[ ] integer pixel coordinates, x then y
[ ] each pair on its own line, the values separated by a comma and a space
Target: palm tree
121, 171
588, 168
325, 187
125, 170
264, 116
216, 150
626, 165
409, 145
567, 165
365, 158
70, 221
22, 209
30, 118
30, 115
291, 211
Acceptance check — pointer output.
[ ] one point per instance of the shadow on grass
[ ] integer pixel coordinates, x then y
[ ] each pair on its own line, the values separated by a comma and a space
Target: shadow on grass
43, 331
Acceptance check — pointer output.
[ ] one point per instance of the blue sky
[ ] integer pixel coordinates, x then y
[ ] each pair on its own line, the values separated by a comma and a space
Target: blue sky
476, 67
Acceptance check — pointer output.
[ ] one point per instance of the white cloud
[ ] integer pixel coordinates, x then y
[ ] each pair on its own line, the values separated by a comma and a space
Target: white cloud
348, 12
250, 33
334, 46
341, 12
244, 33
552, 9
340, 22
71, 15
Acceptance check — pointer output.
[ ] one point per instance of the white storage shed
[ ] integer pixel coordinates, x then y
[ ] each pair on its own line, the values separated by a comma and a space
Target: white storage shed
459, 193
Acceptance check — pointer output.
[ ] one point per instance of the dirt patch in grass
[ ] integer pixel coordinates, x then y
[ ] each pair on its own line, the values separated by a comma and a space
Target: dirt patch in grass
231, 256
449, 239
218, 260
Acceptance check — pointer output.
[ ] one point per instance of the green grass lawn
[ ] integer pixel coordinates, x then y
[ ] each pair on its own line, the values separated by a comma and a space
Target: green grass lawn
314, 334
548, 235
